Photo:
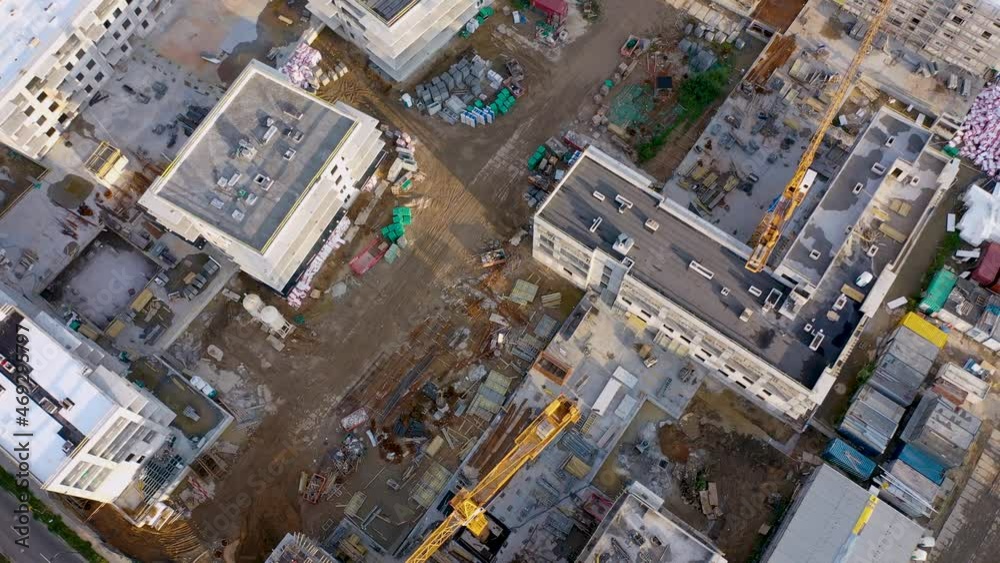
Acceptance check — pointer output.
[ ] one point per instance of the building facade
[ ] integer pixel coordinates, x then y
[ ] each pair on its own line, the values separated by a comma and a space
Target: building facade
266, 174
691, 291
965, 33
57, 54
91, 431
399, 36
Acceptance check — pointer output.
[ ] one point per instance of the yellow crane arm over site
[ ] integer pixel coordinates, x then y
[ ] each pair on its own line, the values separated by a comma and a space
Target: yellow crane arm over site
769, 230
470, 506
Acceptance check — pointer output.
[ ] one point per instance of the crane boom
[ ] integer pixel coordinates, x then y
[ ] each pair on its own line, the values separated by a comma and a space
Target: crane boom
769, 230
470, 506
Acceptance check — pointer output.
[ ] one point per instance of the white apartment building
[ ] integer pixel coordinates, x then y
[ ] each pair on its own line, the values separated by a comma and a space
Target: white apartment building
89, 431
55, 55
604, 229
399, 36
965, 33
266, 174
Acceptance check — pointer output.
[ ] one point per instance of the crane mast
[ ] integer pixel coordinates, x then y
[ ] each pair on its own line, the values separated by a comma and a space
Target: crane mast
768, 232
470, 505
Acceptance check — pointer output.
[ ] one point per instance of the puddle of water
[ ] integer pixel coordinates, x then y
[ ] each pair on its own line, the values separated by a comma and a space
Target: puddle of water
70, 192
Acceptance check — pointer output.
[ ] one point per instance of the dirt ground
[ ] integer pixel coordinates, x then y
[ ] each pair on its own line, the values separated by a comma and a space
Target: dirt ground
720, 441
779, 14
475, 182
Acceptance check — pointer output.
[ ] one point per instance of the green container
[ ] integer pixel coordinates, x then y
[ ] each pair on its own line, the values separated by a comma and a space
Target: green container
479, 104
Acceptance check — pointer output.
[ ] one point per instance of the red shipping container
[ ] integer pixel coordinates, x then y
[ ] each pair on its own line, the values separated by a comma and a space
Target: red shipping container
988, 266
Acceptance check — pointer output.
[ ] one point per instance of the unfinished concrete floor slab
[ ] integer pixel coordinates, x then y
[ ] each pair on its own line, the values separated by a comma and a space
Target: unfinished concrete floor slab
101, 282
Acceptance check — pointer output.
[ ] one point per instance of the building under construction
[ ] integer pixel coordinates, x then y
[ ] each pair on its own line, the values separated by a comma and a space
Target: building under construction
966, 34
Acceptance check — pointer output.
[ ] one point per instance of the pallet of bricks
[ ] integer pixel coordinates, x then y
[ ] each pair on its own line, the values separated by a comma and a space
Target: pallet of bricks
395, 232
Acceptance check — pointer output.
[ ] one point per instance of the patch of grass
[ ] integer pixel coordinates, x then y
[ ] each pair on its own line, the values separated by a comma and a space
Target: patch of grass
52, 521
695, 95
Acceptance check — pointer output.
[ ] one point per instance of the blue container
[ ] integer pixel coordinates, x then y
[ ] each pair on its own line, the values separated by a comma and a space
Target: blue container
842, 455
924, 463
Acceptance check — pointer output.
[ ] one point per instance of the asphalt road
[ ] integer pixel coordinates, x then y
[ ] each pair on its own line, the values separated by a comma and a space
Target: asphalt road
44, 547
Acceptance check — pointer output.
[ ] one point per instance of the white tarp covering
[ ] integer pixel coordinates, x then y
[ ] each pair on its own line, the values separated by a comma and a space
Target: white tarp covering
981, 221
301, 66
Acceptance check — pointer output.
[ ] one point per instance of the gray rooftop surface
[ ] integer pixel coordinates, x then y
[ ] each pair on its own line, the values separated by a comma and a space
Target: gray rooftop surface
662, 262
819, 523
631, 515
827, 228
211, 154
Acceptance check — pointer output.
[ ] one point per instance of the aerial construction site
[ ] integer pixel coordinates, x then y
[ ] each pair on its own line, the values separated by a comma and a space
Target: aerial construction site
523, 280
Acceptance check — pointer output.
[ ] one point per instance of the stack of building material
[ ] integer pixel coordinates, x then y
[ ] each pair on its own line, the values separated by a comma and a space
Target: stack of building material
300, 68
302, 287
938, 291
975, 388
923, 463
872, 420
941, 430
979, 137
908, 490
490, 396
906, 359
839, 453
962, 308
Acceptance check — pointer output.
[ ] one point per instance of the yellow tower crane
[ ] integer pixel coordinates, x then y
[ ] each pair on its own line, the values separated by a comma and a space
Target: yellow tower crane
768, 232
470, 506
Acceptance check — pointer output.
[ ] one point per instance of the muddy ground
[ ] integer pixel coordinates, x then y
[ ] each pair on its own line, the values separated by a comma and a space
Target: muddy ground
475, 180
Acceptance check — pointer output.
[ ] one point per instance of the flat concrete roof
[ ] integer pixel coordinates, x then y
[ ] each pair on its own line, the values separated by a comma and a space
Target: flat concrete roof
662, 261
830, 225
819, 523
191, 183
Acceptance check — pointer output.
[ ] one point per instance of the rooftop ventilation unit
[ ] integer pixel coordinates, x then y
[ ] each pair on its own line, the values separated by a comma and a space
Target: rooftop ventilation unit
914, 180
623, 244
755, 291
238, 215
246, 150
289, 154
599, 196
746, 315
263, 181
817, 340
872, 251
701, 270
773, 297
251, 198
48, 406
232, 181
840, 302
294, 134
292, 113
857, 188
890, 140
269, 134
623, 204
652, 225
67, 447
597, 223
725, 292
218, 203
878, 169
268, 121
628, 263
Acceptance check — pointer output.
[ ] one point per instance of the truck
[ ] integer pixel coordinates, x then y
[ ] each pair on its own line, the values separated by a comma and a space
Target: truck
985, 273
